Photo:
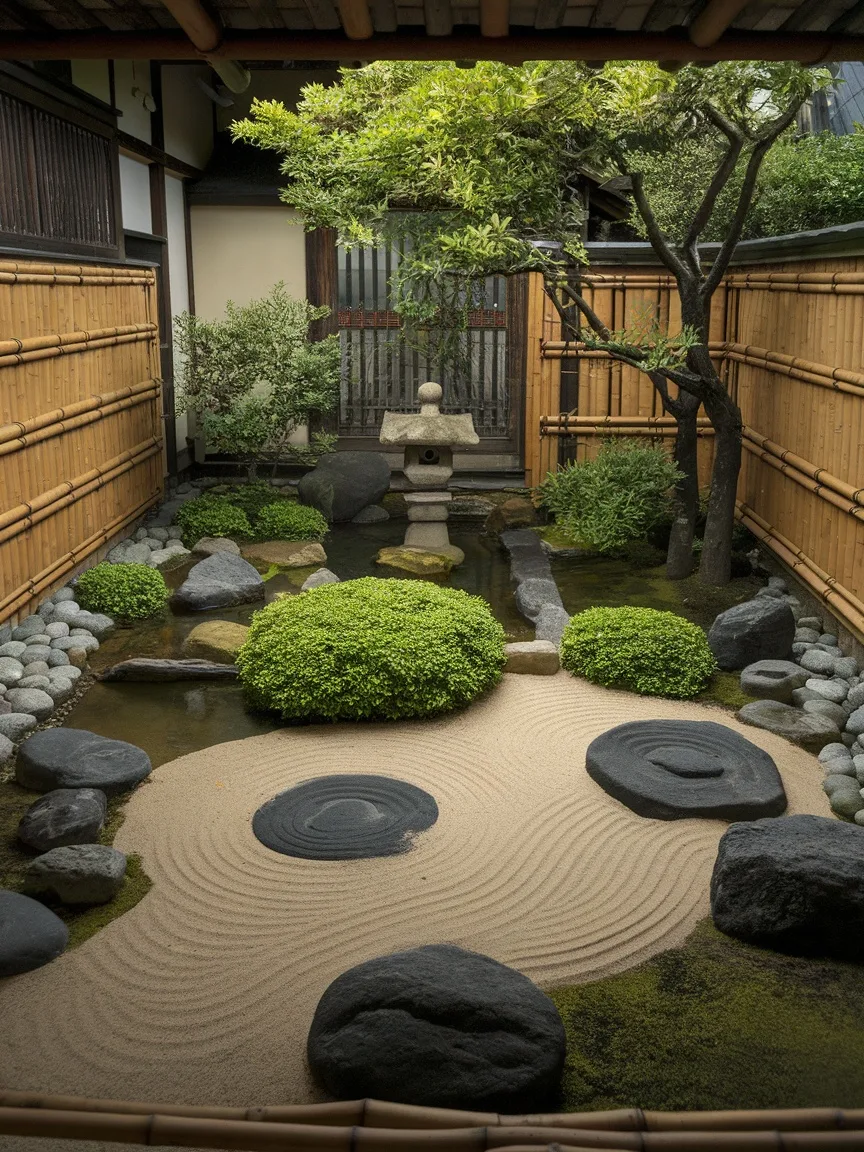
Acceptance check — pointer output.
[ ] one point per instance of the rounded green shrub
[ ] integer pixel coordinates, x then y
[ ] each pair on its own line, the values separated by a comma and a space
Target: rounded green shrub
371, 649
211, 516
252, 497
287, 520
126, 591
646, 651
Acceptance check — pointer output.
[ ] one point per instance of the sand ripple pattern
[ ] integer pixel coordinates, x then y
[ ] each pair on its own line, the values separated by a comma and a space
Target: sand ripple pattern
205, 991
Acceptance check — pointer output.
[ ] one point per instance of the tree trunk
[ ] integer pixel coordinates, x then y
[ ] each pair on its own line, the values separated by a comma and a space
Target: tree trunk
715, 567
685, 506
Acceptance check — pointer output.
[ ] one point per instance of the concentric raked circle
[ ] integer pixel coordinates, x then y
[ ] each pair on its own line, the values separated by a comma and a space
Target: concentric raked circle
669, 769
345, 818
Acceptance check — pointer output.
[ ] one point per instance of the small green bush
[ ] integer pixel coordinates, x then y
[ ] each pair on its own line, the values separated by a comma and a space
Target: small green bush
287, 520
371, 649
251, 498
646, 651
617, 497
126, 591
211, 516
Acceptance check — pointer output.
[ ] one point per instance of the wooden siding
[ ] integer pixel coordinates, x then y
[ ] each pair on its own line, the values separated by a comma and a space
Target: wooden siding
81, 452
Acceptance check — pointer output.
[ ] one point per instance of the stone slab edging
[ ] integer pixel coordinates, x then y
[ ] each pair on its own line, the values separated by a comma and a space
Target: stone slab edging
537, 597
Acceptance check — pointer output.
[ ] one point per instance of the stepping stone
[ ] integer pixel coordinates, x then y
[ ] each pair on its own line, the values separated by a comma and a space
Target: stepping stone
532, 596
30, 934
550, 624
532, 658
75, 758
64, 816
148, 671
756, 630
795, 884
803, 728
772, 680
674, 769
215, 640
78, 874
438, 1027
286, 553
218, 582
318, 579
210, 545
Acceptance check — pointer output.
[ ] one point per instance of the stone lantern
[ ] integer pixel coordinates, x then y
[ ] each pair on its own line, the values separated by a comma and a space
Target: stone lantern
429, 437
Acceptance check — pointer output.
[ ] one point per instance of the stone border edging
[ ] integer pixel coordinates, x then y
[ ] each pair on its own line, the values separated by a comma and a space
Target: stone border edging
537, 599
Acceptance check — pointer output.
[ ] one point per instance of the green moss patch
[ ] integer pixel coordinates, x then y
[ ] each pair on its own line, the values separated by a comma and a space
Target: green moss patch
716, 1024
724, 689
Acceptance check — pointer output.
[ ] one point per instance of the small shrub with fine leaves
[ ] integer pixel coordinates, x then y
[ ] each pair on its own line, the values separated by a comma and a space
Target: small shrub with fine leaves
371, 649
212, 516
288, 520
124, 591
640, 649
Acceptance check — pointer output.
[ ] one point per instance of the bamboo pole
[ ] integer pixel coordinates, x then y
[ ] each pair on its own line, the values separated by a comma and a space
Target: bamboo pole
141, 396
55, 339
570, 420
85, 345
22, 428
789, 460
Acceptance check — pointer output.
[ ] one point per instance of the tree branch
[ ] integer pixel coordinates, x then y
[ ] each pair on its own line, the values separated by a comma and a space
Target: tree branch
718, 183
658, 241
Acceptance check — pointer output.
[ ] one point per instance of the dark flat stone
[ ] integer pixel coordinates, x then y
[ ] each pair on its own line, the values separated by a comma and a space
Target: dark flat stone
673, 769
773, 680
75, 758
759, 629
153, 671
30, 934
64, 816
349, 817
441, 1027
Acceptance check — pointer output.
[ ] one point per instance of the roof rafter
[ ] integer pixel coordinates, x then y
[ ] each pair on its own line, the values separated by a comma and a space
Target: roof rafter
714, 20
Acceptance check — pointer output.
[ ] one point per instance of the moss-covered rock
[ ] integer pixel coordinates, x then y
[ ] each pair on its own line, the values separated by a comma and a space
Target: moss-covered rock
420, 561
285, 553
216, 640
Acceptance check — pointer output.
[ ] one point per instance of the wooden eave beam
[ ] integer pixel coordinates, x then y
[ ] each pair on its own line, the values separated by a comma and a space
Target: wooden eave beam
206, 35
522, 44
356, 19
494, 17
714, 19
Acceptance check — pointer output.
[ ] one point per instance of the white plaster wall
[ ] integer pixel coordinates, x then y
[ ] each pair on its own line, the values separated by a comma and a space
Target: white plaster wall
178, 279
129, 75
187, 113
92, 76
135, 195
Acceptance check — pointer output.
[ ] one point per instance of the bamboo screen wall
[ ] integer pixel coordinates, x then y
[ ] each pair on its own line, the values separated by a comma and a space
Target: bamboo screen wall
80, 418
789, 340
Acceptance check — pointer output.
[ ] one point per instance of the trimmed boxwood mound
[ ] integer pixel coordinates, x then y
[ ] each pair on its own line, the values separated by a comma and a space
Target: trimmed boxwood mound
286, 520
211, 516
125, 591
371, 649
646, 651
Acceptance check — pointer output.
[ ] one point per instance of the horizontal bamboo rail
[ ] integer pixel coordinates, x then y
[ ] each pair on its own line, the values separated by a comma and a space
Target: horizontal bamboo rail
55, 339
801, 477
13, 272
129, 398
85, 342
838, 283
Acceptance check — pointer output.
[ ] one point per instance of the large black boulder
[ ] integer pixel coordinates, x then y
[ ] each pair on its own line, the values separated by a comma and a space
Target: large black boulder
343, 483
761, 629
30, 934
75, 758
64, 816
220, 581
795, 885
442, 1027
671, 769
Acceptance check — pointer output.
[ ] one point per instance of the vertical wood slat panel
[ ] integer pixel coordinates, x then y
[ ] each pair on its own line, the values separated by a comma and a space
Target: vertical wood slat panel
64, 496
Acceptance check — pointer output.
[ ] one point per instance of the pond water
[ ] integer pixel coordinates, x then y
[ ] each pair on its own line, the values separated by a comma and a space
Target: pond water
170, 720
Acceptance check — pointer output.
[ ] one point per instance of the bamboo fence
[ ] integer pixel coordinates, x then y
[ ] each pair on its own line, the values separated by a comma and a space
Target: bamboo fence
789, 342
81, 454
378, 1126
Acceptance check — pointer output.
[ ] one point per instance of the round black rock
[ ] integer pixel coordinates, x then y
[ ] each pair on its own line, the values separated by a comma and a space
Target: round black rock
64, 816
75, 758
440, 1027
30, 934
795, 885
345, 818
673, 769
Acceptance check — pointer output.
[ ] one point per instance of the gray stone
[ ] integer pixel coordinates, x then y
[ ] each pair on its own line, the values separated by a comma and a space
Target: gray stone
33, 681
322, 576
34, 668
85, 643
858, 765
815, 661
153, 544
846, 804
67, 611
550, 624
78, 873
834, 690
57, 629
845, 666
11, 671
96, 623
772, 680
826, 708
674, 769
32, 700
5, 633
218, 582
117, 555
794, 884
803, 728
770, 594
343, 483
528, 560
373, 514
534, 595
168, 558
64, 816
75, 758
141, 533
855, 722
34, 653
43, 640
532, 658
779, 583
813, 622
756, 630
828, 639
470, 508
64, 672
13, 648
806, 636
57, 658
175, 532
439, 1027
799, 649
210, 545
848, 739
150, 671
833, 752
30, 934
29, 626
14, 725
137, 553
6, 746
800, 695
59, 690
856, 695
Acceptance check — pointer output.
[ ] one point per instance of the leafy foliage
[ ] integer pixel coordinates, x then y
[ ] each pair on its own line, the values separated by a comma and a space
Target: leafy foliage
288, 520
371, 649
252, 497
646, 651
615, 498
126, 591
211, 516
255, 376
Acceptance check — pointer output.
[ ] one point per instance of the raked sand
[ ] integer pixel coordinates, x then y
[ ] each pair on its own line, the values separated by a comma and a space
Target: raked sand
204, 992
